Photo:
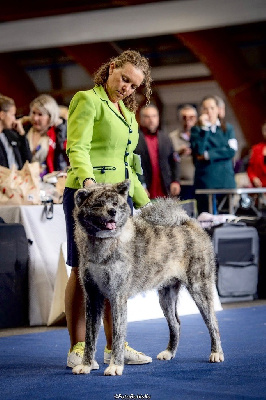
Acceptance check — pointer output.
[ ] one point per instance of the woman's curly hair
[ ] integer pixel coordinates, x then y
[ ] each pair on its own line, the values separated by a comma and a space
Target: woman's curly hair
133, 57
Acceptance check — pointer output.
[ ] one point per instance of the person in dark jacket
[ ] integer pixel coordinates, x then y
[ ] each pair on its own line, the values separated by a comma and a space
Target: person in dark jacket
159, 162
213, 145
14, 146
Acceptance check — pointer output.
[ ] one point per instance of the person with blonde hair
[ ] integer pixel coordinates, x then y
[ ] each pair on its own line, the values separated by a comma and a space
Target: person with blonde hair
102, 136
46, 133
14, 147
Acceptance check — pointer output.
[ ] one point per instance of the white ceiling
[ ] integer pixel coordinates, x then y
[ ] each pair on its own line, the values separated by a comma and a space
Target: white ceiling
128, 22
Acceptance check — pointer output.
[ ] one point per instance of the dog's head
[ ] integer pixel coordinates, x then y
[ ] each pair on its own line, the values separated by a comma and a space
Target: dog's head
102, 210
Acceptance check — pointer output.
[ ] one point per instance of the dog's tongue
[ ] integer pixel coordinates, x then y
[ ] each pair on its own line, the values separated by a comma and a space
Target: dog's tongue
111, 225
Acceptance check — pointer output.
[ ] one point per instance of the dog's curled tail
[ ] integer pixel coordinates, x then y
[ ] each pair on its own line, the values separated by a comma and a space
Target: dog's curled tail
165, 212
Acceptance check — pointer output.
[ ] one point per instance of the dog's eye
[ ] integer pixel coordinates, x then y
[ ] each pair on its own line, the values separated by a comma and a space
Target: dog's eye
97, 205
115, 203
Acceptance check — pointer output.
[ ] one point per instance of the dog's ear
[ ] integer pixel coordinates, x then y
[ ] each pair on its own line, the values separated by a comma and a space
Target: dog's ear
123, 187
81, 195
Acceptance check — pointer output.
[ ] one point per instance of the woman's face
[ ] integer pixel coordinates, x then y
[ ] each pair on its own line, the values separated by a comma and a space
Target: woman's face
40, 120
210, 108
122, 82
8, 118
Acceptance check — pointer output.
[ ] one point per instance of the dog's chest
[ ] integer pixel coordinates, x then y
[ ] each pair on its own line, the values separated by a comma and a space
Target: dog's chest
108, 276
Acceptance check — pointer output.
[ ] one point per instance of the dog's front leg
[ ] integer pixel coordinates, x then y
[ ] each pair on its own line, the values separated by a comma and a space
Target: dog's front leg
94, 306
119, 316
168, 301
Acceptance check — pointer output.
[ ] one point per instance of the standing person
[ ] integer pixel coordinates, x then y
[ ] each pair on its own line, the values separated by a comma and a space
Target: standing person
160, 167
14, 147
180, 138
102, 135
46, 133
213, 145
257, 164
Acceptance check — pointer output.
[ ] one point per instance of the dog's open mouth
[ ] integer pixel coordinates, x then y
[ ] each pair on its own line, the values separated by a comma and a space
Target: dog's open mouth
111, 225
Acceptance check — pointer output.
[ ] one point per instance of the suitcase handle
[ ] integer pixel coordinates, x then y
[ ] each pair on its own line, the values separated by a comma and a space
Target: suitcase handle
238, 224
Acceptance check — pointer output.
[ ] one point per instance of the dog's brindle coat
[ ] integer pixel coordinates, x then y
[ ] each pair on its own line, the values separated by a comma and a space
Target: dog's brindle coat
121, 256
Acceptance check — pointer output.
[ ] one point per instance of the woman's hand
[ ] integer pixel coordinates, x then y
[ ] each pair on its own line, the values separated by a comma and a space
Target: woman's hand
17, 125
184, 150
200, 157
257, 182
204, 120
59, 122
174, 189
88, 183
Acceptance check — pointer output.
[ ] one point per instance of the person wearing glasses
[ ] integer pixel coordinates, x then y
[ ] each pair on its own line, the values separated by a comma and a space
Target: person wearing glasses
180, 138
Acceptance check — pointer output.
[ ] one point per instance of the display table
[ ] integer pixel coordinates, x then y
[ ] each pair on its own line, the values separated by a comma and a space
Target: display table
46, 236
230, 193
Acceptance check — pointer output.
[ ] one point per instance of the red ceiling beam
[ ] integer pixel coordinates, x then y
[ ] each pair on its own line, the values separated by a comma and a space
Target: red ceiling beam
91, 56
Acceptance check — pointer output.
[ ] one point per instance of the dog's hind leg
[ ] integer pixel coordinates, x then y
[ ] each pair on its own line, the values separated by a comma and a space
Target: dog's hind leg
202, 294
94, 306
119, 315
168, 301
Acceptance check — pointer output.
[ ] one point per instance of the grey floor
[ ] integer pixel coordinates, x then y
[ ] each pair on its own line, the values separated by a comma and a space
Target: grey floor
36, 329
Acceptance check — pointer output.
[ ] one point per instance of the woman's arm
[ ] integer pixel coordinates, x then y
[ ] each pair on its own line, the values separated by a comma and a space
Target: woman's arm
229, 148
202, 150
79, 135
252, 168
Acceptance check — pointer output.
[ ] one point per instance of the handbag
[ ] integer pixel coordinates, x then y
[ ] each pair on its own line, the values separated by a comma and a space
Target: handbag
20, 186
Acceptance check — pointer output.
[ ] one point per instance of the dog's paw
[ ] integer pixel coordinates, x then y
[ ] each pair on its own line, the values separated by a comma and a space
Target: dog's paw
82, 369
165, 355
216, 357
114, 370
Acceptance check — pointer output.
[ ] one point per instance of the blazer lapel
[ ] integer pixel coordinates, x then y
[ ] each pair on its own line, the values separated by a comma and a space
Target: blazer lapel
126, 118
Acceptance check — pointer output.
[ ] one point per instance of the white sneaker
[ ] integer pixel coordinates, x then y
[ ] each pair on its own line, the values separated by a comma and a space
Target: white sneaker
75, 356
131, 356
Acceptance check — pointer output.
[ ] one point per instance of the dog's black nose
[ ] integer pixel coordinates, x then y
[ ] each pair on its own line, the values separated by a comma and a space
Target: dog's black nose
112, 212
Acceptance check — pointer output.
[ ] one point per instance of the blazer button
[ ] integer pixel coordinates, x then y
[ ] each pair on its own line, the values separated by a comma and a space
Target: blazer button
129, 142
130, 130
126, 154
126, 164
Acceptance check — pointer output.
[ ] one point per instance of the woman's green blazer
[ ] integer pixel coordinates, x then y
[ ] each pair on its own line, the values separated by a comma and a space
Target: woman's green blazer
101, 141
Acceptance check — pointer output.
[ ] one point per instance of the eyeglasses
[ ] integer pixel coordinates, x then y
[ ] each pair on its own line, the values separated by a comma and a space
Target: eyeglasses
189, 117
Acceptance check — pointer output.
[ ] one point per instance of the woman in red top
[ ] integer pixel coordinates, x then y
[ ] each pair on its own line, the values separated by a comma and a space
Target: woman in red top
257, 163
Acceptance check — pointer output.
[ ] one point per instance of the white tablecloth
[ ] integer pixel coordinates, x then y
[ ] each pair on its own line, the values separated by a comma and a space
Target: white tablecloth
46, 235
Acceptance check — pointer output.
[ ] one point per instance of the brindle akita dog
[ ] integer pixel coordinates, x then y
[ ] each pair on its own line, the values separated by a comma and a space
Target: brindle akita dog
121, 256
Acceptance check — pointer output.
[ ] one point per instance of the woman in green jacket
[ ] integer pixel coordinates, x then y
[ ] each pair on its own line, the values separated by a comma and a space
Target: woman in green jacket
101, 137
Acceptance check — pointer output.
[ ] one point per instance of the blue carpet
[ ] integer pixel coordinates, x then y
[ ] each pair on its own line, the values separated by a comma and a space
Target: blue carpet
33, 365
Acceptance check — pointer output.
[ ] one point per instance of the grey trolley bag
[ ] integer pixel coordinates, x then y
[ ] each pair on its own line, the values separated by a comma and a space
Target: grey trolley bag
236, 248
